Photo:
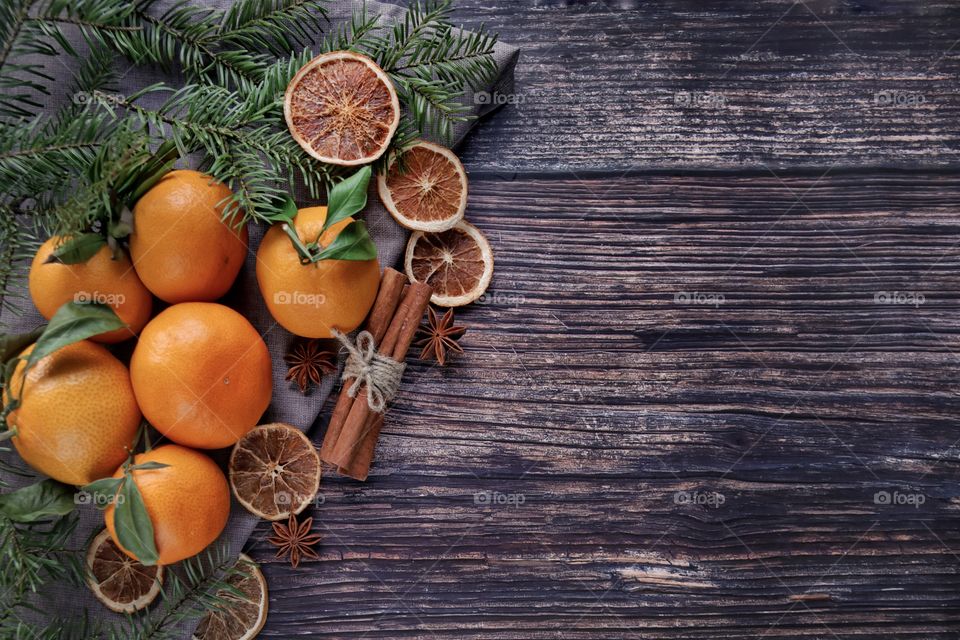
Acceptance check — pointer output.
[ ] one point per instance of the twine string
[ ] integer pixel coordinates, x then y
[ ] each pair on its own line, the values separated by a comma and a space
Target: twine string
381, 374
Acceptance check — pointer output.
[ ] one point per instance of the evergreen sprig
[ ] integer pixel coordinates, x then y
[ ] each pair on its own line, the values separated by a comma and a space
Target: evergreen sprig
33, 554
198, 586
237, 136
232, 48
431, 63
275, 26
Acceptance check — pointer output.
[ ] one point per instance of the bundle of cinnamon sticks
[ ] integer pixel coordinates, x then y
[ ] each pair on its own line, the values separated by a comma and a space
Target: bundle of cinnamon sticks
354, 428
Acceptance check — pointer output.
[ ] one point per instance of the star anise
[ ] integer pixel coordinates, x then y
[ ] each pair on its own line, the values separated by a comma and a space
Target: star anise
308, 363
294, 539
441, 336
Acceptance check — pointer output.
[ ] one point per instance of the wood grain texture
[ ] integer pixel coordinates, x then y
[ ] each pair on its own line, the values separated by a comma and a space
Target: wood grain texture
668, 468
685, 83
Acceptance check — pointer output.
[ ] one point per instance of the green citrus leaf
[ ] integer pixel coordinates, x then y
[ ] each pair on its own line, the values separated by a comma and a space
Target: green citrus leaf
352, 243
347, 197
11, 344
146, 466
103, 491
132, 523
45, 499
289, 209
77, 249
71, 323
152, 172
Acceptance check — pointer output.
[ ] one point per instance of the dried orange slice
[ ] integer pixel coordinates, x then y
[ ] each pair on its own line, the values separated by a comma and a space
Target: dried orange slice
245, 610
457, 263
274, 471
117, 580
342, 108
425, 189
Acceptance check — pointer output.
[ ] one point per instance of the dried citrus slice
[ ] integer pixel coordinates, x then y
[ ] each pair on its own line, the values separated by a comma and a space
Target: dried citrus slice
117, 580
274, 471
457, 263
242, 616
426, 190
342, 108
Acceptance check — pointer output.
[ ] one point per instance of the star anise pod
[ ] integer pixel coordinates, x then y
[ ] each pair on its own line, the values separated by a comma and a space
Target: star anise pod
294, 539
441, 336
308, 362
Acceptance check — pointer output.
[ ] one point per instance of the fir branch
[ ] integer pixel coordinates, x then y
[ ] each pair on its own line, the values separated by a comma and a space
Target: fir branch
13, 15
56, 628
42, 154
13, 18
111, 183
244, 144
34, 554
455, 56
18, 242
185, 35
434, 104
356, 35
275, 26
32, 28
186, 596
416, 28
431, 62
39, 162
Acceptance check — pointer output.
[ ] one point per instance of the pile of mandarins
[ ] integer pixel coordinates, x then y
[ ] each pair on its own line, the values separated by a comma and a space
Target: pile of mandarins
200, 373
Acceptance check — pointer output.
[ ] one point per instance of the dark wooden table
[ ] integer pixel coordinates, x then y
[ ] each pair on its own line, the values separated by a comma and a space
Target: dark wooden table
713, 392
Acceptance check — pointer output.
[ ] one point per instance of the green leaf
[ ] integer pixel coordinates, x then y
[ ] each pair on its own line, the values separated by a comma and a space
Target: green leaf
347, 197
71, 323
103, 491
151, 172
9, 368
352, 243
77, 249
132, 523
287, 212
46, 499
11, 344
146, 466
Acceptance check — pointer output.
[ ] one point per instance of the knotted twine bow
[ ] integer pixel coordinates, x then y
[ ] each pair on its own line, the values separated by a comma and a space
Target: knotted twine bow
381, 374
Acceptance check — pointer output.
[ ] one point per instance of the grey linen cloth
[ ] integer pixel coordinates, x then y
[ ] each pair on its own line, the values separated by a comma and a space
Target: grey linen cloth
288, 404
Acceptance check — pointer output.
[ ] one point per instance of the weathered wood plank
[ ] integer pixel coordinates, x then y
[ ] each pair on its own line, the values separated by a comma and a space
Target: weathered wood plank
683, 83
612, 407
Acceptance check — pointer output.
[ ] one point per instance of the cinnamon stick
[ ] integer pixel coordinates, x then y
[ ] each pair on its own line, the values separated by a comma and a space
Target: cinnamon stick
392, 284
359, 466
353, 451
